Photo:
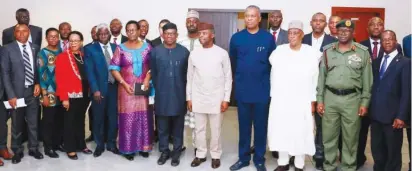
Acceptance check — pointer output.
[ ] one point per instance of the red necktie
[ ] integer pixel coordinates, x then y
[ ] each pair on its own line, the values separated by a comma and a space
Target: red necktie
375, 50
274, 35
114, 40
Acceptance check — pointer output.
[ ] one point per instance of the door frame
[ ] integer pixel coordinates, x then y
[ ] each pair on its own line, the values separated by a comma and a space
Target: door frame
381, 11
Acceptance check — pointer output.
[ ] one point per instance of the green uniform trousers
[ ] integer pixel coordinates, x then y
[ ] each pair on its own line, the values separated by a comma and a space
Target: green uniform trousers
341, 113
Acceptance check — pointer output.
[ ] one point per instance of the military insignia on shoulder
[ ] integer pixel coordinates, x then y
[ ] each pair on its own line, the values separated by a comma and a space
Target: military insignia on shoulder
327, 46
360, 46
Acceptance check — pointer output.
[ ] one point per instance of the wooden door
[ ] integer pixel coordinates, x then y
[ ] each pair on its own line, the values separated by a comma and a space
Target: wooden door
360, 16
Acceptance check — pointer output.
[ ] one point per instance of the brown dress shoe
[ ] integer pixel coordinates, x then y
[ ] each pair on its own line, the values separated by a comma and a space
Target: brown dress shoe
197, 161
5, 154
215, 163
1, 163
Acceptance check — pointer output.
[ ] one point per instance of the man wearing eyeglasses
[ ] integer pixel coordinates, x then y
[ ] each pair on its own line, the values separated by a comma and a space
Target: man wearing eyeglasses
344, 91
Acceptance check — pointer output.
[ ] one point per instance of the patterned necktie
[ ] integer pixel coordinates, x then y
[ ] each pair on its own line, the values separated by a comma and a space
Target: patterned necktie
383, 67
29, 76
375, 50
108, 59
65, 45
274, 35
115, 41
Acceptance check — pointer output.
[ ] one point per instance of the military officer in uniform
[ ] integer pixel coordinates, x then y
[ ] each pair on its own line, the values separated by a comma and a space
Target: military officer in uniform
344, 90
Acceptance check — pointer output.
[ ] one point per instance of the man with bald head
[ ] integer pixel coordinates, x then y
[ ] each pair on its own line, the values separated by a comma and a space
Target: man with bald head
390, 104
64, 29
116, 30
20, 78
375, 28
249, 51
275, 21
333, 20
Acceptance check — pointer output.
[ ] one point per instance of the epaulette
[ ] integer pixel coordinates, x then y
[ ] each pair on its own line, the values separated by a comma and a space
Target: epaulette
360, 46
328, 46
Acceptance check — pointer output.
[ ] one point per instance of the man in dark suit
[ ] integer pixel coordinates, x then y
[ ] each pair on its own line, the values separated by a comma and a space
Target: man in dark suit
35, 37
23, 17
390, 104
116, 30
375, 28
104, 89
90, 112
64, 30
20, 77
319, 39
159, 40
144, 29
280, 35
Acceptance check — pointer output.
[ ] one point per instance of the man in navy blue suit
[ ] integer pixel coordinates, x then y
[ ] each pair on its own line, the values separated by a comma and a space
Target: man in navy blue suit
249, 53
407, 53
390, 104
104, 89
319, 39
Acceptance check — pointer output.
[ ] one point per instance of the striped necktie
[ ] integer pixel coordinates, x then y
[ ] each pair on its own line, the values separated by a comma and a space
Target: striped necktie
27, 66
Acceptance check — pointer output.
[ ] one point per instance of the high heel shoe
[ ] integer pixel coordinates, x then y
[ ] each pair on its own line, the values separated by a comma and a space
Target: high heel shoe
73, 157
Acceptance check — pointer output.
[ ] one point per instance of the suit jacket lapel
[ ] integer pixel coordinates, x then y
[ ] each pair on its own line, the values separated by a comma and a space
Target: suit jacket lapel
17, 50
391, 65
113, 47
369, 47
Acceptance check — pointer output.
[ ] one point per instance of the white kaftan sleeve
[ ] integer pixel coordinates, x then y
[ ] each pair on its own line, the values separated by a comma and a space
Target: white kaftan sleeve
228, 77
190, 72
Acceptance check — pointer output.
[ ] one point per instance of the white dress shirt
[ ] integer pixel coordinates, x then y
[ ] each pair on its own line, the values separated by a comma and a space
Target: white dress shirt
109, 48
372, 45
317, 42
392, 55
30, 52
277, 32
118, 40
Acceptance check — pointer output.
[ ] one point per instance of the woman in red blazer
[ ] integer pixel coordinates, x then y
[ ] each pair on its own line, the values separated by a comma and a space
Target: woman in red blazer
73, 89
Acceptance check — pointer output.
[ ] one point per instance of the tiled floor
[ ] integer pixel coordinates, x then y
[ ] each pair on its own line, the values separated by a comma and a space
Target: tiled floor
108, 161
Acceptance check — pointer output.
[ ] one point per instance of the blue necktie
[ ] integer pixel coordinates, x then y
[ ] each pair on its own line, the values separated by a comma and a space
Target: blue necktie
383, 67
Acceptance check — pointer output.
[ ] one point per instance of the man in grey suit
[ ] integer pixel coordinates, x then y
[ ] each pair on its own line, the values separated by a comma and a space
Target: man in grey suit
275, 21
20, 77
23, 17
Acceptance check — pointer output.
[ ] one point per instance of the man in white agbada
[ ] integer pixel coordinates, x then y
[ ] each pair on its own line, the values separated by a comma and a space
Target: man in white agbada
209, 84
293, 83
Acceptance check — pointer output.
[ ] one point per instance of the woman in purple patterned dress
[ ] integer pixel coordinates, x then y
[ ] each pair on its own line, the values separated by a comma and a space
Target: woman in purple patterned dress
130, 65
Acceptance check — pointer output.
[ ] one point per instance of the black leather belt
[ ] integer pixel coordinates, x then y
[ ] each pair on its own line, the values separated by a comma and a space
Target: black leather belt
342, 92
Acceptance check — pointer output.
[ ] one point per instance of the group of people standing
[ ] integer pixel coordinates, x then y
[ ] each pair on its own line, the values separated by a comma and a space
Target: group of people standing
283, 79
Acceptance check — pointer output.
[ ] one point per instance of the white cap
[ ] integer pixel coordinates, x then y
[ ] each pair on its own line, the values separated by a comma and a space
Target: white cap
295, 24
192, 14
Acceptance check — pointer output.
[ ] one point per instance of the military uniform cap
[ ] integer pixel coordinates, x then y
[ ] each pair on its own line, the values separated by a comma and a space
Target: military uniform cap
346, 23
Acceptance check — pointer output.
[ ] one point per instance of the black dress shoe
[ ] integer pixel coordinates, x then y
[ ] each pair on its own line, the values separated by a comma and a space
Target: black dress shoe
144, 154
175, 161
89, 139
51, 153
17, 158
73, 157
129, 157
292, 161
163, 158
98, 152
87, 151
36, 154
282, 168
275, 154
114, 150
